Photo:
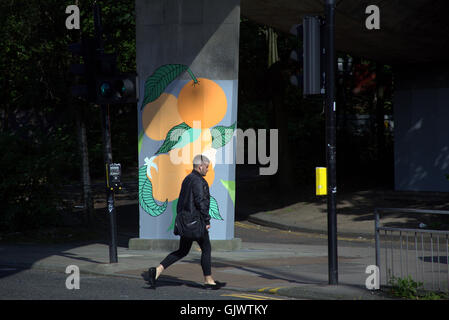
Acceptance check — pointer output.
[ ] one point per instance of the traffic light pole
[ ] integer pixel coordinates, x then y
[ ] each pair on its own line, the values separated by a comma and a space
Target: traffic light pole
106, 127
110, 193
331, 142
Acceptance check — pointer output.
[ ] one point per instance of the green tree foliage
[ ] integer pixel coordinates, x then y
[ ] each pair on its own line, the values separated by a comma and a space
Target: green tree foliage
37, 127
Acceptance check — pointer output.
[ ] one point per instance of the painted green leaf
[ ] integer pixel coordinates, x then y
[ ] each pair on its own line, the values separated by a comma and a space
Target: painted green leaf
173, 137
221, 135
214, 212
160, 79
188, 136
139, 146
146, 199
230, 186
174, 205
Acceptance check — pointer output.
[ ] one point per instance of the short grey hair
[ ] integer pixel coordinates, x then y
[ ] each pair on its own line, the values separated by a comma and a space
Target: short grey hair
200, 159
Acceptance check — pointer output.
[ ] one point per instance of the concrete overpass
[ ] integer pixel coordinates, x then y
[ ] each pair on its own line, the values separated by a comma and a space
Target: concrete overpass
410, 31
180, 41
413, 37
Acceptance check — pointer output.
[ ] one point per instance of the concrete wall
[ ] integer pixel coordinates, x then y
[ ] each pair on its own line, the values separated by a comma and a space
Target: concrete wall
421, 113
203, 36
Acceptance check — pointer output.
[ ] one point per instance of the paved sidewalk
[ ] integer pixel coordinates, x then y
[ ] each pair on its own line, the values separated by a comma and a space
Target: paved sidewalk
355, 212
294, 270
298, 271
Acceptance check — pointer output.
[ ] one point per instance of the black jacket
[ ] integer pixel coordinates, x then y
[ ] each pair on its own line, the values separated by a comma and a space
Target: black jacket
194, 197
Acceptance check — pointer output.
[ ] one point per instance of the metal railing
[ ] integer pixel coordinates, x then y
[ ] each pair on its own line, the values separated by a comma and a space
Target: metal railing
403, 258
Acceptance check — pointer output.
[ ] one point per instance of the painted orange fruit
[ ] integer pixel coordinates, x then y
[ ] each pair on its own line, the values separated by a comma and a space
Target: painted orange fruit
159, 116
168, 178
203, 104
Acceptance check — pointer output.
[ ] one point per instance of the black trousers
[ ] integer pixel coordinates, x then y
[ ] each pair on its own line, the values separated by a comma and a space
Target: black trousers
184, 248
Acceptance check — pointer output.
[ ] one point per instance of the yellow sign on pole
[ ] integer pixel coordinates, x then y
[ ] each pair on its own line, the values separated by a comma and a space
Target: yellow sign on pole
321, 181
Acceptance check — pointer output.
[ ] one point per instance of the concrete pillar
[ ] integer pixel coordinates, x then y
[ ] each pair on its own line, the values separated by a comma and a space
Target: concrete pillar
187, 62
421, 110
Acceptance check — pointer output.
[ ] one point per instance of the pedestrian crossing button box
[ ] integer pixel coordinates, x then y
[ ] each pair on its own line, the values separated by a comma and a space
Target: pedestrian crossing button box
114, 176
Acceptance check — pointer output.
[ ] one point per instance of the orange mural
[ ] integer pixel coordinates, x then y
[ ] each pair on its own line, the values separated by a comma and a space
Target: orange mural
184, 124
204, 102
168, 177
160, 116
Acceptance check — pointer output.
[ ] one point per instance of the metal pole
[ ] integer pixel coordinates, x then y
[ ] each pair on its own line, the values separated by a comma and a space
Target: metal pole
377, 236
377, 242
98, 28
109, 193
400, 252
107, 148
331, 141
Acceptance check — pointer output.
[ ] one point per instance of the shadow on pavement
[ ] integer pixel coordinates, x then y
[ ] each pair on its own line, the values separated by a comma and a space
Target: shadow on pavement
356, 201
170, 281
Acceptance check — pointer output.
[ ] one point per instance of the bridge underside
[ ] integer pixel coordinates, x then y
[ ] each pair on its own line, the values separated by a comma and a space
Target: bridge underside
410, 31
413, 37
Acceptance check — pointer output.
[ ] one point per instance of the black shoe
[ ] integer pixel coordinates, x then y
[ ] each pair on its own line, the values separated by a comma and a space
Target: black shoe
152, 276
215, 286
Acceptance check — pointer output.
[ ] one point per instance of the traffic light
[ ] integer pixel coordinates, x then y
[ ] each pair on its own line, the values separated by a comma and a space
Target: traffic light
309, 56
120, 88
296, 57
84, 82
99, 80
313, 56
110, 86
